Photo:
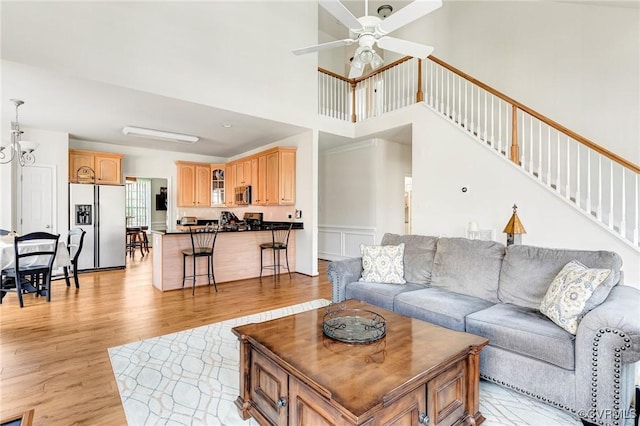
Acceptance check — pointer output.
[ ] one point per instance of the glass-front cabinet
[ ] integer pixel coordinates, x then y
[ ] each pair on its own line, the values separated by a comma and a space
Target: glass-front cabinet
217, 185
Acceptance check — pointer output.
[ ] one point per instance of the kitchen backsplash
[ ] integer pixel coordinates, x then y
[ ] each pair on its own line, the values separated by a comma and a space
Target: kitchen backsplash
270, 213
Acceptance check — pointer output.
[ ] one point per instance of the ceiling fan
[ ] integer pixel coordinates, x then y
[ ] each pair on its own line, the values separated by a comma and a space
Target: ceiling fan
368, 31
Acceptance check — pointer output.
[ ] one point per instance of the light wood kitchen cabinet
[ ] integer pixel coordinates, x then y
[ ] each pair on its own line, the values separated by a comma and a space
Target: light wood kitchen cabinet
218, 190
287, 176
194, 184
243, 172
271, 179
255, 180
274, 182
107, 167
230, 184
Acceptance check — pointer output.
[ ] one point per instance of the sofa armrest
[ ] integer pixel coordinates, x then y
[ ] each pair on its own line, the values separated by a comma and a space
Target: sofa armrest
607, 346
341, 273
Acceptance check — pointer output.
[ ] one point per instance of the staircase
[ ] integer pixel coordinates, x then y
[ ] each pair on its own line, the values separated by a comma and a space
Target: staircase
590, 178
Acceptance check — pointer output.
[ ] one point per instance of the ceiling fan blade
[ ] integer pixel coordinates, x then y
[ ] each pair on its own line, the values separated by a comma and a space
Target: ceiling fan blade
405, 47
355, 72
343, 14
323, 46
407, 14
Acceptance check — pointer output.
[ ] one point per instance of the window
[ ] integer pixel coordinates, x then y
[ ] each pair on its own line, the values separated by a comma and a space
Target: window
138, 201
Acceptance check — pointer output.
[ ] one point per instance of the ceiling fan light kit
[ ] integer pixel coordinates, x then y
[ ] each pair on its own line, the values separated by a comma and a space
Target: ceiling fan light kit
385, 10
368, 31
158, 134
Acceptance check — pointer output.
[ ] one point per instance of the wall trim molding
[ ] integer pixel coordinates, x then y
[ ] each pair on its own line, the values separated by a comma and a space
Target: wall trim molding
337, 242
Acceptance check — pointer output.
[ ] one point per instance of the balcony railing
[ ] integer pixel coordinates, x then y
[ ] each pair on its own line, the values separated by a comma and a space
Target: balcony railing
595, 180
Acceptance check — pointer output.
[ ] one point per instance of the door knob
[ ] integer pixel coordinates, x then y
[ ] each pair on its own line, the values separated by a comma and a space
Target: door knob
48, 226
423, 419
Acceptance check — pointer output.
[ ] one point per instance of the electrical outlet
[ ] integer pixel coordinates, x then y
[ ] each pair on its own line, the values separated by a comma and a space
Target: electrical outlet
298, 214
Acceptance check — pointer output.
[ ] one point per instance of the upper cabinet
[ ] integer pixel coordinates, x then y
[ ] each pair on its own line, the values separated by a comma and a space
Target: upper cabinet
217, 185
287, 172
194, 184
276, 182
106, 167
271, 174
230, 184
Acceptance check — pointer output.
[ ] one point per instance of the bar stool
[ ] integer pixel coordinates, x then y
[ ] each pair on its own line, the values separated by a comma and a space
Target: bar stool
203, 242
134, 240
279, 242
144, 239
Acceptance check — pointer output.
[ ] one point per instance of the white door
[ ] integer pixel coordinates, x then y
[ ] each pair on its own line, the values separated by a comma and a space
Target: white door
37, 199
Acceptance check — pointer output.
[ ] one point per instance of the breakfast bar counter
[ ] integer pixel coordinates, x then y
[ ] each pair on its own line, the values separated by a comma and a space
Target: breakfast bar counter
236, 255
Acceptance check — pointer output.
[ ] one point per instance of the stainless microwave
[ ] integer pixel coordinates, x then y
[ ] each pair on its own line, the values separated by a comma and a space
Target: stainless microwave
243, 195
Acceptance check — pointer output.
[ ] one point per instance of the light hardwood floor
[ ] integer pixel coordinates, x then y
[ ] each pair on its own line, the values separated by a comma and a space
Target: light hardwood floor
53, 356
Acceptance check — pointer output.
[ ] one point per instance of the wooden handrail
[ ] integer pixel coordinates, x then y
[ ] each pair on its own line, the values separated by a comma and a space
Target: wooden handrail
515, 105
573, 135
359, 79
333, 74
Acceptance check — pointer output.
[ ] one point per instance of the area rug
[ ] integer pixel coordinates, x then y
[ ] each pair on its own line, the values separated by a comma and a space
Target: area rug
191, 378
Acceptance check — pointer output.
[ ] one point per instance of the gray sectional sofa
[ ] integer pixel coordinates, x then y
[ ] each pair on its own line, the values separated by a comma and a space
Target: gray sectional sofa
485, 288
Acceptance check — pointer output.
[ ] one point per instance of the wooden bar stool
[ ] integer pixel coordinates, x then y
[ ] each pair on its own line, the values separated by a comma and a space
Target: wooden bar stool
279, 242
134, 240
203, 242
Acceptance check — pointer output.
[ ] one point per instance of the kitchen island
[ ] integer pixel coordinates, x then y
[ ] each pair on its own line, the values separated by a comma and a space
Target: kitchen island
236, 255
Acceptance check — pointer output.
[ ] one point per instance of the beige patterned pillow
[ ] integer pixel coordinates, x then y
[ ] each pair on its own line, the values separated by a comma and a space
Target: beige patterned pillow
383, 264
567, 296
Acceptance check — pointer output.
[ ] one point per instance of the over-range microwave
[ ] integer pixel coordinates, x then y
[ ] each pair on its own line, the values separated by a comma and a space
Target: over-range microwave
243, 195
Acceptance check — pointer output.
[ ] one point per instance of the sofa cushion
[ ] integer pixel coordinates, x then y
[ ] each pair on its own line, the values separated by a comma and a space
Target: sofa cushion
439, 306
377, 293
383, 264
419, 251
565, 302
524, 331
470, 267
527, 271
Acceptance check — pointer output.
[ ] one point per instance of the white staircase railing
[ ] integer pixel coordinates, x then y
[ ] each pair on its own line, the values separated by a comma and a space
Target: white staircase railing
591, 178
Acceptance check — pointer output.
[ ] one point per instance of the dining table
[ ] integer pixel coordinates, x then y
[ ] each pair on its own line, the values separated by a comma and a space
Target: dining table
8, 255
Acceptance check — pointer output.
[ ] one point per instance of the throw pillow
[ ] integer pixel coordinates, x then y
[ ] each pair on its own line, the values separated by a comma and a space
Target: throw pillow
567, 296
383, 264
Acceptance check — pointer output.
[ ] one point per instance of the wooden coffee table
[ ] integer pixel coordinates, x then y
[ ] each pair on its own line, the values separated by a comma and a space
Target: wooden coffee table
419, 373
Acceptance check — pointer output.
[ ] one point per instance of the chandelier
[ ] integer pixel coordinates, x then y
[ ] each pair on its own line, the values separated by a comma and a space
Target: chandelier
22, 150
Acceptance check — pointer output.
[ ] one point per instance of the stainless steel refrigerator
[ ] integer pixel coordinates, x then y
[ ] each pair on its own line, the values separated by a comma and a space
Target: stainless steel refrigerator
99, 210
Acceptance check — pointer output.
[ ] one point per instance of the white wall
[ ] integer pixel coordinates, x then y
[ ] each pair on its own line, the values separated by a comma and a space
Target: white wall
346, 190
360, 195
576, 63
393, 163
52, 150
445, 159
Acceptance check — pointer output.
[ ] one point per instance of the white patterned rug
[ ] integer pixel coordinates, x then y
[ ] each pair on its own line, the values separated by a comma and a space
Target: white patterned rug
191, 378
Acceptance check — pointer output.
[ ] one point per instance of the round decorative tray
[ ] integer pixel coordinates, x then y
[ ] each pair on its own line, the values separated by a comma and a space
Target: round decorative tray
353, 325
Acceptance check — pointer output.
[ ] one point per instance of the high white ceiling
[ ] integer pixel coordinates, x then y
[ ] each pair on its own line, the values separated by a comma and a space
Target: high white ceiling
58, 99
95, 111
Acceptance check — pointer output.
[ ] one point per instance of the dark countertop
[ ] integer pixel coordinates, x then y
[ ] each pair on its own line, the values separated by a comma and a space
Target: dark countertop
266, 226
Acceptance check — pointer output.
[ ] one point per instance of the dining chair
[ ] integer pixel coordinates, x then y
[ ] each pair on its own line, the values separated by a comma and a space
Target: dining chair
75, 240
31, 273
203, 242
279, 242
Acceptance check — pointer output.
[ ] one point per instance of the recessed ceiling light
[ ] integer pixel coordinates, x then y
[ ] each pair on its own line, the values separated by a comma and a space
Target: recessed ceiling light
226, 125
